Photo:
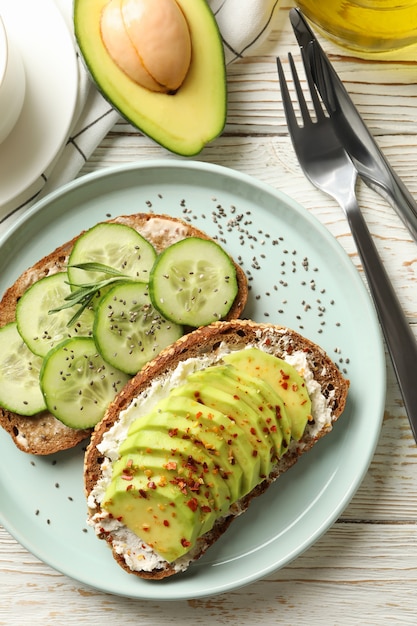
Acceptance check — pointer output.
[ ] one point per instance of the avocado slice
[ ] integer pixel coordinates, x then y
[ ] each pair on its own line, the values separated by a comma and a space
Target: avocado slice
252, 453
271, 423
210, 431
165, 517
212, 486
168, 492
184, 121
190, 443
282, 377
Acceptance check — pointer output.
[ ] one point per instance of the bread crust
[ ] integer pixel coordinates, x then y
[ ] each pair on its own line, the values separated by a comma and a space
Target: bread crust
43, 434
236, 334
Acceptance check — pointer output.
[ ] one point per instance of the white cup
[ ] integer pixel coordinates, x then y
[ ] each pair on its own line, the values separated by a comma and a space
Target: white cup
12, 83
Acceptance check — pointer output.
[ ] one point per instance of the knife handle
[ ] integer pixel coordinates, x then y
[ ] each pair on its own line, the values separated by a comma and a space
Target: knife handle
401, 343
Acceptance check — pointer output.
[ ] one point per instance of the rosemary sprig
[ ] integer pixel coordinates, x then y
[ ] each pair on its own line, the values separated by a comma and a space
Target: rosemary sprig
82, 294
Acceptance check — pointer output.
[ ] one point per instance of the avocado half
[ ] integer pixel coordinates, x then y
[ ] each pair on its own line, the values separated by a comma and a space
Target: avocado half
183, 122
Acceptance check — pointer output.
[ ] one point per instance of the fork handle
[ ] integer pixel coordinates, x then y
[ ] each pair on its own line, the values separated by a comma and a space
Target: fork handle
401, 343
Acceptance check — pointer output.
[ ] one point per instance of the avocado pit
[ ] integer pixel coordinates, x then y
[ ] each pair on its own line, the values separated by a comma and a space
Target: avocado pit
149, 40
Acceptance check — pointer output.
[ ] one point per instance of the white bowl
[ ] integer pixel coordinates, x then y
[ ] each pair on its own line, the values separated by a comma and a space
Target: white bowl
12, 83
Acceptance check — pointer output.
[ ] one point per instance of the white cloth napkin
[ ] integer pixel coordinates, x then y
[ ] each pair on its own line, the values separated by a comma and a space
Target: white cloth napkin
243, 24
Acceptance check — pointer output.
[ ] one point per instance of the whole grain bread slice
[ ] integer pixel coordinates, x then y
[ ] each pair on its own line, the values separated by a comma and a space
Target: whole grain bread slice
43, 434
235, 334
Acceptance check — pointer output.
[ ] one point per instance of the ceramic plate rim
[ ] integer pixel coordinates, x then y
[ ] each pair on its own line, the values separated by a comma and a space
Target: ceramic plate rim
53, 141
178, 588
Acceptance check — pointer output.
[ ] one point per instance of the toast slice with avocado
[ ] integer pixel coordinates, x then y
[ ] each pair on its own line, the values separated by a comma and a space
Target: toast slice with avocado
205, 427
42, 433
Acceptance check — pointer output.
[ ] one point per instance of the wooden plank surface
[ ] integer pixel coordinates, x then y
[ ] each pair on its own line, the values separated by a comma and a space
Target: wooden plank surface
364, 570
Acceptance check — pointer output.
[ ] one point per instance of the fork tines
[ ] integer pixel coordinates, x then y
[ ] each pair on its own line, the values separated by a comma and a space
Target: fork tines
286, 98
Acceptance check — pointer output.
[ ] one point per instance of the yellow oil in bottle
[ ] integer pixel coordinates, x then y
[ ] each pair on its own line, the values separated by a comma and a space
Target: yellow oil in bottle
378, 25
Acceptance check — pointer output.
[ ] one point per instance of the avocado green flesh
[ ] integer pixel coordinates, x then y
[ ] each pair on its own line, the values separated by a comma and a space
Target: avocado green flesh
283, 378
167, 524
191, 494
182, 122
214, 487
210, 442
244, 447
209, 445
271, 422
234, 406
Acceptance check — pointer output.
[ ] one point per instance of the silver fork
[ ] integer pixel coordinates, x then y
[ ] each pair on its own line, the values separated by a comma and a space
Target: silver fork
327, 165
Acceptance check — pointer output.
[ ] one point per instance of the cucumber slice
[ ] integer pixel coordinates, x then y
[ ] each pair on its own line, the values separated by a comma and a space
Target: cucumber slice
77, 384
20, 390
42, 330
115, 245
193, 282
128, 330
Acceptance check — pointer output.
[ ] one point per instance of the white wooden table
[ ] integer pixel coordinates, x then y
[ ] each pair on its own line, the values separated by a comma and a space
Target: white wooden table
364, 570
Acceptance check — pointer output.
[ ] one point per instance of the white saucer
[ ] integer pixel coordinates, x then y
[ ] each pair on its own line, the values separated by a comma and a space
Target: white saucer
48, 53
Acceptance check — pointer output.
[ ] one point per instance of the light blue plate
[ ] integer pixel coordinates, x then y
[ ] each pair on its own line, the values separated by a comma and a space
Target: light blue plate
299, 277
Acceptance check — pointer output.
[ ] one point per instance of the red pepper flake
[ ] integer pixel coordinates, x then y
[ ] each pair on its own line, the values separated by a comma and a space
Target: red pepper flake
284, 375
193, 504
166, 522
185, 543
151, 485
254, 453
273, 428
191, 464
199, 414
127, 477
171, 465
253, 431
284, 385
173, 432
206, 509
143, 493
129, 487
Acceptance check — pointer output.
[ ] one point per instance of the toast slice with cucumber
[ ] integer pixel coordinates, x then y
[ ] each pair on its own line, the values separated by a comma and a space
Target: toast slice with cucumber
43, 319
205, 427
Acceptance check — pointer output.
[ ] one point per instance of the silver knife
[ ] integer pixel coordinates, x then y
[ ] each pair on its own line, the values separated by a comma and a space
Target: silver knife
371, 164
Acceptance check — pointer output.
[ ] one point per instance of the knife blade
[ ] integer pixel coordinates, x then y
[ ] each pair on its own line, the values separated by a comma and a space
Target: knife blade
371, 164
